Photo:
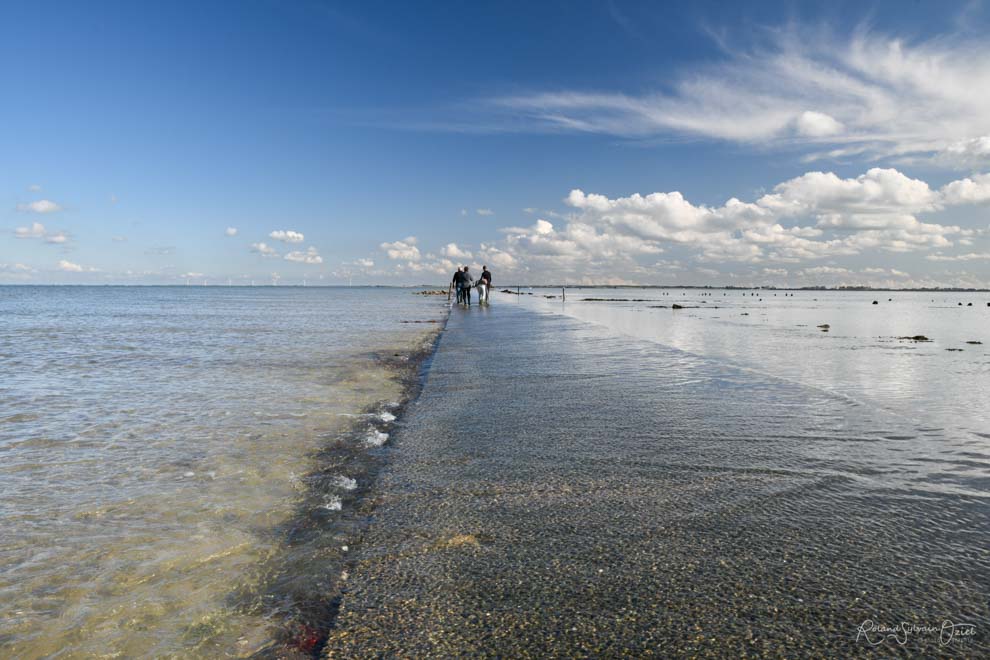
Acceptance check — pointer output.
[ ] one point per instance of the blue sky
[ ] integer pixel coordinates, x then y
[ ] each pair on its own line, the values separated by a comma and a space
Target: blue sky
381, 142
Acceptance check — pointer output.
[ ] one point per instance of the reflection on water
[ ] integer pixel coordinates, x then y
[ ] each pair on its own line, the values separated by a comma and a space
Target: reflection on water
929, 400
155, 442
938, 383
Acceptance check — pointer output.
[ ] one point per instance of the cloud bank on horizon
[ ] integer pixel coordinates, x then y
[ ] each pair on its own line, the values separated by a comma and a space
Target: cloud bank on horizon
886, 139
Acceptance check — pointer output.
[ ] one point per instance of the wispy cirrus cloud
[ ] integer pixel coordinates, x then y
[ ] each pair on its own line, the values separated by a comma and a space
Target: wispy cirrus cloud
869, 95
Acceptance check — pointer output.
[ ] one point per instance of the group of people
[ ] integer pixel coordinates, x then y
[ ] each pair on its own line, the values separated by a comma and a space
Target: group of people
463, 282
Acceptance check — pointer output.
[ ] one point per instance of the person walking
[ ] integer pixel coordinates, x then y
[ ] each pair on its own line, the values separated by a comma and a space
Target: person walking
458, 283
466, 283
484, 285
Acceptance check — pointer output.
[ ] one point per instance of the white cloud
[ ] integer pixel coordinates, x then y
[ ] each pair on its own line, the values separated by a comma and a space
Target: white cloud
16, 272
230, 231
485, 212
826, 270
39, 206
452, 251
34, 187
37, 230
868, 94
967, 153
429, 266
817, 124
814, 216
404, 250
364, 263
264, 249
310, 256
971, 256
69, 267
287, 236
495, 258
974, 190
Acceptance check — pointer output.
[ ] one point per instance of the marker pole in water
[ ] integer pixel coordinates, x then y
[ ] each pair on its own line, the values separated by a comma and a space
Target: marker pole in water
563, 294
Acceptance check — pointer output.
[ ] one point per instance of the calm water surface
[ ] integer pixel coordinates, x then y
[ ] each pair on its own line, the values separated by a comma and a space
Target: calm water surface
931, 397
154, 440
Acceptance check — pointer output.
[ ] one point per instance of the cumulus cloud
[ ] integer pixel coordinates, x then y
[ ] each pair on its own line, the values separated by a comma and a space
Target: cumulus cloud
39, 206
34, 187
287, 236
38, 230
868, 94
816, 124
974, 190
310, 256
264, 249
230, 231
363, 263
404, 250
70, 267
815, 216
485, 212
452, 251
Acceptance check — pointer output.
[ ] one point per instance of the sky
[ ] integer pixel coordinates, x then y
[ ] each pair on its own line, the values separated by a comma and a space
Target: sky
557, 142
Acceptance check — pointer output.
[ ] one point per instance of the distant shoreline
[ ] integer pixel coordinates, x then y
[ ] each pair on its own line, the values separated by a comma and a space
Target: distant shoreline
508, 286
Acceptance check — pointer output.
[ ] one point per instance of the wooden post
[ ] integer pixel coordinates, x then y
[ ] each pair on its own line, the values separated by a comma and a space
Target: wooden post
563, 295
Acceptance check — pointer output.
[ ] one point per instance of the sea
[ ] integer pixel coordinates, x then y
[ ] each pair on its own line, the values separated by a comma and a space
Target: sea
175, 461
183, 469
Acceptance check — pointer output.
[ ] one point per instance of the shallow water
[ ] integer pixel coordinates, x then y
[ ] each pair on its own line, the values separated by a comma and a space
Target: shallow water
562, 488
154, 450
931, 399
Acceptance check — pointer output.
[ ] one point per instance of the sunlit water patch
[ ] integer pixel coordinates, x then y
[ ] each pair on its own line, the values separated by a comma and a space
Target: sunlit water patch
163, 450
915, 365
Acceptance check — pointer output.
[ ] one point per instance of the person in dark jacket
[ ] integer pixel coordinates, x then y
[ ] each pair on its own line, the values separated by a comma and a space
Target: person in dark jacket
458, 283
